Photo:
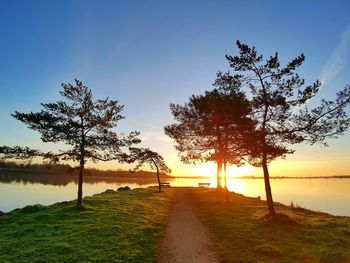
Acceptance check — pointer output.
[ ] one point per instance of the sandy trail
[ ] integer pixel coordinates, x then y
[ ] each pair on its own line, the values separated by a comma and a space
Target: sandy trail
187, 239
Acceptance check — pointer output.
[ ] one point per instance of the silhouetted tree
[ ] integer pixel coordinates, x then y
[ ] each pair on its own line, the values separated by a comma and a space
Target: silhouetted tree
153, 159
82, 123
17, 152
237, 129
209, 127
279, 101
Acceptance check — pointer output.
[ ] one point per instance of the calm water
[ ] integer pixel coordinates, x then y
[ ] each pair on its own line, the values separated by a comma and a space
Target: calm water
327, 195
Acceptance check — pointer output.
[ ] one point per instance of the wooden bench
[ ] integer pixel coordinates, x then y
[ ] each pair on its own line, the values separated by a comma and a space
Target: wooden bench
165, 184
203, 184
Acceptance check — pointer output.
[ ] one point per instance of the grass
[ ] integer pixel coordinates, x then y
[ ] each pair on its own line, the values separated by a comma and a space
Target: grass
241, 235
128, 226
113, 226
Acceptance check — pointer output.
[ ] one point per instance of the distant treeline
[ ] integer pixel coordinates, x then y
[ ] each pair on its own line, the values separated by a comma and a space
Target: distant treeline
67, 170
62, 180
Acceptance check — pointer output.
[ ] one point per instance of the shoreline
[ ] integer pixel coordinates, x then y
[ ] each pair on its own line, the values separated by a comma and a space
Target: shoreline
295, 206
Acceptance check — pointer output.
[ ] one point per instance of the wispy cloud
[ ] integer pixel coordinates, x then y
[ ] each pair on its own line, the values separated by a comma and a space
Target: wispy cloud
337, 60
147, 124
150, 125
155, 136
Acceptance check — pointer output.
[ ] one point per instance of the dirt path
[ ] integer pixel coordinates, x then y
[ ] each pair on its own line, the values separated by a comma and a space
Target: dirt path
187, 239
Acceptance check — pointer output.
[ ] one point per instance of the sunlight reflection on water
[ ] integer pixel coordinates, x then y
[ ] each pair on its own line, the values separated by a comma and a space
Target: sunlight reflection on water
326, 195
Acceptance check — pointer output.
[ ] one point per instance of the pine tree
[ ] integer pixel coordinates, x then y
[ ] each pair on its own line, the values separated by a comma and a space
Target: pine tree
145, 156
279, 101
86, 125
210, 127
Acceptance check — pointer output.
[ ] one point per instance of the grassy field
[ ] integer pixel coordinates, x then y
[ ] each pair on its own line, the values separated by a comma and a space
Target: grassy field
112, 227
241, 235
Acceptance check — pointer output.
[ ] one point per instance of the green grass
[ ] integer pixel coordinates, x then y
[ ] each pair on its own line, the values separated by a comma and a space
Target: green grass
129, 226
111, 227
241, 235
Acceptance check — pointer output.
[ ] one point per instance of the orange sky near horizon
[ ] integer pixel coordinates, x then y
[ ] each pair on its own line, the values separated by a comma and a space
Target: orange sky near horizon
306, 161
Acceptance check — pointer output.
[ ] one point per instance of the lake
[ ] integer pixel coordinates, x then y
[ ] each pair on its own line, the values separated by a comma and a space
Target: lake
327, 195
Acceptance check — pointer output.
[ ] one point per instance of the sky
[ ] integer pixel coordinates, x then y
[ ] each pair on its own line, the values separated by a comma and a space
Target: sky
148, 54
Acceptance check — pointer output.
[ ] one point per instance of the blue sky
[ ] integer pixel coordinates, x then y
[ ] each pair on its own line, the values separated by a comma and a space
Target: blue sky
147, 54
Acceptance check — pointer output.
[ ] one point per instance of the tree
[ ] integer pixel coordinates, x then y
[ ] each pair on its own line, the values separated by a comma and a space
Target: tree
82, 123
209, 127
153, 159
279, 101
236, 128
17, 152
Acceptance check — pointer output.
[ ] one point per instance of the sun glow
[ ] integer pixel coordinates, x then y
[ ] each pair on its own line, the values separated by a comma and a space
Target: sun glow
233, 183
244, 170
209, 169
206, 169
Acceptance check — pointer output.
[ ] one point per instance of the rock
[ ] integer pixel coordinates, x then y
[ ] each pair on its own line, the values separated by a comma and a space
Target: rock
279, 218
32, 208
126, 188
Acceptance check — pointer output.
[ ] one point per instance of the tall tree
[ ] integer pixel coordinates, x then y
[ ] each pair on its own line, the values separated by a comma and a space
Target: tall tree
82, 123
280, 100
145, 156
237, 129
209, 126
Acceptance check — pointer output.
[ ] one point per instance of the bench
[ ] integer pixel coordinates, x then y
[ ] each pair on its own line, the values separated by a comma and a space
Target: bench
203, 184
165, 184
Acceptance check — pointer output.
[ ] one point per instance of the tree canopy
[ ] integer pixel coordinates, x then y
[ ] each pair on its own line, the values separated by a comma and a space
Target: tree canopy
86, 125
280, 102
18, 152
211, 127
144, 156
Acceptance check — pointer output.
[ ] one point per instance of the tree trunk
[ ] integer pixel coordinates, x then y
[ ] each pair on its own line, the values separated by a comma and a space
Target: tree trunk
82, 163
159, 185
218, 174
80, 184
158, 178
218, 153
225, 175
269, 199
